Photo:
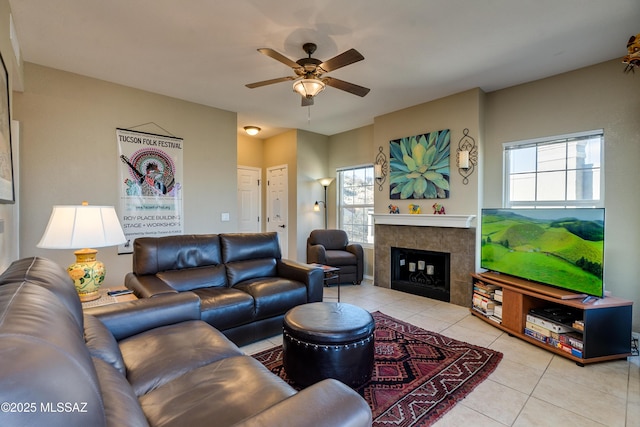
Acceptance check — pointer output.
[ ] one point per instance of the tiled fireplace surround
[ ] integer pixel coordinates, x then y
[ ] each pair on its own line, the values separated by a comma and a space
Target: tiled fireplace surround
424, 233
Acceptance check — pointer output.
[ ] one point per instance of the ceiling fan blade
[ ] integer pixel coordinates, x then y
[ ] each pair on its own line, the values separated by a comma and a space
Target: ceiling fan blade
269, 82
306, 101
344, 59
279, 57
346, 86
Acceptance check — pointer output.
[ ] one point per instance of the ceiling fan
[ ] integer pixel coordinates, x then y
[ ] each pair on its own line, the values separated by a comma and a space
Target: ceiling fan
309, 80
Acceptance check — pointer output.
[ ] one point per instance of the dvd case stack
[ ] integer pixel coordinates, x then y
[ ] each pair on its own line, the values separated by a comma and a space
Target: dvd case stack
544, 326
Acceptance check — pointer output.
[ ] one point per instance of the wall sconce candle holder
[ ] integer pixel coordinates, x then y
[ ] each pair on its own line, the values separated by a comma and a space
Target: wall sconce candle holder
380, 168
467, 156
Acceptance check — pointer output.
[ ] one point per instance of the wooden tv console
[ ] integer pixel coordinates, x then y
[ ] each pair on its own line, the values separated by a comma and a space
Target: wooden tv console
606, 334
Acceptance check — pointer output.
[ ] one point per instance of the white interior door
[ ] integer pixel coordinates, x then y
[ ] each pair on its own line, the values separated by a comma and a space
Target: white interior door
278, 205
249, 199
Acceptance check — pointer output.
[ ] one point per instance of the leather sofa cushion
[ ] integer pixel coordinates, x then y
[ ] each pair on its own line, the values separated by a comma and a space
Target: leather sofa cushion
245, 246
240, 271
49, 275
225, 308
121, 406
163, 354
274, 295
338, 258
222, 394
154, 254
330, 239
43, 358
102, 344
195, 278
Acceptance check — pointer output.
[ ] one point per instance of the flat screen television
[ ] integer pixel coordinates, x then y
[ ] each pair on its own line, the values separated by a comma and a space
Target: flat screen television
558, 247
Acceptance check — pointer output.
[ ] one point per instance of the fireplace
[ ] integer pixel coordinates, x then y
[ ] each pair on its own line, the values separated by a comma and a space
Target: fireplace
451, 234
420, 272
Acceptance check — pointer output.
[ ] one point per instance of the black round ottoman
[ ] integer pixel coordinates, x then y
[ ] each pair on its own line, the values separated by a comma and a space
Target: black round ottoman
328, 340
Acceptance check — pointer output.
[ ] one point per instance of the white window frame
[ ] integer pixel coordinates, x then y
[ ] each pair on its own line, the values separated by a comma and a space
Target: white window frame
508, 146
341, 205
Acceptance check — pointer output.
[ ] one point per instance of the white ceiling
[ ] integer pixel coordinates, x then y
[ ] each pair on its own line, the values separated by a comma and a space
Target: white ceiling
415, 51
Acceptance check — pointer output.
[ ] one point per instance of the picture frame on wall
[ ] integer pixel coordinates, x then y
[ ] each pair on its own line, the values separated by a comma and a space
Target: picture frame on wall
7, 192
420, 166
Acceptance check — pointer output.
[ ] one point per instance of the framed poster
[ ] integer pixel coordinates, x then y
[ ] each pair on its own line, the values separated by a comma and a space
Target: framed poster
7, 194
150, 185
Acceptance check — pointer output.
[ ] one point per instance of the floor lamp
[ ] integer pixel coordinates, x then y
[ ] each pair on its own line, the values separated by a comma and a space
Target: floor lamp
325, 182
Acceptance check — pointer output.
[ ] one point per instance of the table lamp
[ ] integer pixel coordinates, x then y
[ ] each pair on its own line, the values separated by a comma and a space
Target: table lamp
83, 227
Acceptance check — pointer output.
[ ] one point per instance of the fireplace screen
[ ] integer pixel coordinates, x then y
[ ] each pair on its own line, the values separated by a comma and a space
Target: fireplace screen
420, 272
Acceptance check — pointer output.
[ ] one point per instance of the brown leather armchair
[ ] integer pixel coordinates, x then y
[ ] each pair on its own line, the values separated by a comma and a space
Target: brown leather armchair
332, 247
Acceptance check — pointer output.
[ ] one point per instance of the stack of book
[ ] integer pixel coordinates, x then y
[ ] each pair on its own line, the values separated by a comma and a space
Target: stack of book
555, 334
485, 302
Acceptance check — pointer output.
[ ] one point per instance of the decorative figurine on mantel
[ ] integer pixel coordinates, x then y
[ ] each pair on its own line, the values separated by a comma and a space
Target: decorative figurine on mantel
414, 209
438, 209
393, 209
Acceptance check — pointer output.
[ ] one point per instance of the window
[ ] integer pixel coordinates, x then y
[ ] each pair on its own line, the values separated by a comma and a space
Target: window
355, 203
562, 171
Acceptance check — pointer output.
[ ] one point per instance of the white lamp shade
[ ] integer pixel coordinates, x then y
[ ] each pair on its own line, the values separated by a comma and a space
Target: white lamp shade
308, 88
325, 182
76, 227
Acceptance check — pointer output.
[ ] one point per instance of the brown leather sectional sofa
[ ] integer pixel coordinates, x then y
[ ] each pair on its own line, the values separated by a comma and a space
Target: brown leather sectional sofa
149, 362
244, 285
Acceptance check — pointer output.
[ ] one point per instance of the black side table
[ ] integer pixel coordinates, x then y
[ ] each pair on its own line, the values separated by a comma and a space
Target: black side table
330, 273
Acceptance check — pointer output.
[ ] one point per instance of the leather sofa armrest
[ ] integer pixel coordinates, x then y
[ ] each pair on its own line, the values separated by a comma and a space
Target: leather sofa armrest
312, 277
327, 403
316, 253
356, 249
147, 286
129, 318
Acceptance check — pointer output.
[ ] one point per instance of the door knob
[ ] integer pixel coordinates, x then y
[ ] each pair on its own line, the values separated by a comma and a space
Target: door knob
282, 226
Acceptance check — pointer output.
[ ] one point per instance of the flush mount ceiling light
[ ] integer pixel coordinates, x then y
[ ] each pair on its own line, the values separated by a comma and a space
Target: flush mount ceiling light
252, 130
308, 88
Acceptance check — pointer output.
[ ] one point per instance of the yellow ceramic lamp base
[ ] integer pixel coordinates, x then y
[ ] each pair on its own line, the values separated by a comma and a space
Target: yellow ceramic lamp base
87, 274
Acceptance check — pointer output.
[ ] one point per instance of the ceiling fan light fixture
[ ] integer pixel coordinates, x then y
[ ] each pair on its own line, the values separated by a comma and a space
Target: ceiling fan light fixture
308, 88
252, 130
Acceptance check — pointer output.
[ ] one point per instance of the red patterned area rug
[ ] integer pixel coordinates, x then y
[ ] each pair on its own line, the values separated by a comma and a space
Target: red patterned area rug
418, 375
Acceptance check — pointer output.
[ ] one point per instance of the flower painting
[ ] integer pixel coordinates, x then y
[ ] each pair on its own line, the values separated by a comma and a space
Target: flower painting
420, 166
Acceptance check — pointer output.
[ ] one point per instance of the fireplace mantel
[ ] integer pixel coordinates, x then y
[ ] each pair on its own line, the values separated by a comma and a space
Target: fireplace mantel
425, 220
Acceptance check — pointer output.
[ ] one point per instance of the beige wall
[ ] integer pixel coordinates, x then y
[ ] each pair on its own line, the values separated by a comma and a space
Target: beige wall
69, 154
596, 97
250, 151
455, 112
313, 150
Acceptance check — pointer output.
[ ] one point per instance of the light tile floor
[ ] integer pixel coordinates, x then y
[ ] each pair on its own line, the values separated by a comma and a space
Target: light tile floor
530, 387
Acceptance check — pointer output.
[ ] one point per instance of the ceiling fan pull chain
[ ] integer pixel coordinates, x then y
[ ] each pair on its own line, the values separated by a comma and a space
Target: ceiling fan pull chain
309, 115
